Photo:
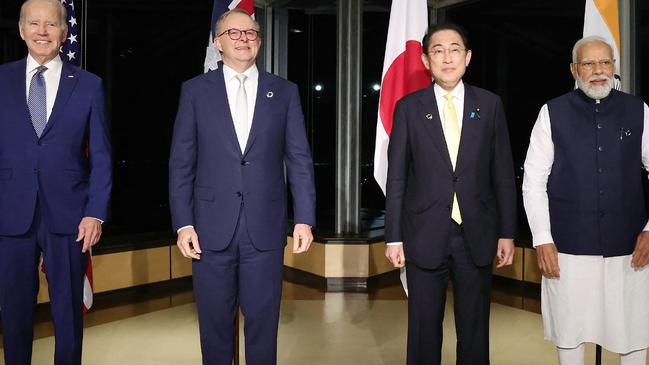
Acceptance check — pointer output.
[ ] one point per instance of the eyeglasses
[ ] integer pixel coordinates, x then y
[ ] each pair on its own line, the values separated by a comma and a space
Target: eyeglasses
440, 52
236, 34
590, 65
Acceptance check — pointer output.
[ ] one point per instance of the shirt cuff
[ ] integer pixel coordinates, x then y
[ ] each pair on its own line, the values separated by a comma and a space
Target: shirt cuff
394, 243
541, 238
100, 221
183, 227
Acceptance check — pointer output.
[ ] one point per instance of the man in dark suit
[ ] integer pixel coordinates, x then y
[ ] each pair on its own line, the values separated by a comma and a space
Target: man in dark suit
450, 201
238, 134
55, 182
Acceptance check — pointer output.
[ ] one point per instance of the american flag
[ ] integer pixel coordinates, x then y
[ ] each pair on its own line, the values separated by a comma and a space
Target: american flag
212, 56
70, 53
70, 48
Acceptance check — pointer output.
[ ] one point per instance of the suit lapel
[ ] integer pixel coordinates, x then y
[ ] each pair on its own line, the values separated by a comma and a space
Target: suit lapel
470, 130
18, 80
429, 113
261, 102
220, 95
66, 85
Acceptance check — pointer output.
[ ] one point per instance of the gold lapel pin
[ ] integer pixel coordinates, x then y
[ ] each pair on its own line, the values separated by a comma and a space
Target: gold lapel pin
269, 94
429, 116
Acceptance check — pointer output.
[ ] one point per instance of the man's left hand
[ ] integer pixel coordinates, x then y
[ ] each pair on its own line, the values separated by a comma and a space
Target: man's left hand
89, 232
505, 252
640, 256
302, 238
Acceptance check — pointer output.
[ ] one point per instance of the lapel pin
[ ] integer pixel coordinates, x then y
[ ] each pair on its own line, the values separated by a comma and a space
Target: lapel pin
429, 116
624, 133
475, 114
70, 76
269, 94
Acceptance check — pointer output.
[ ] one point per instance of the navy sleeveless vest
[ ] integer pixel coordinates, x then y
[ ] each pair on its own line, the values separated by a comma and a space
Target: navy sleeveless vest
595, 192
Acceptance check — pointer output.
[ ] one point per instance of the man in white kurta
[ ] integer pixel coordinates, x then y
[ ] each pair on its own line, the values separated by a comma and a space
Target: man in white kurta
583, 197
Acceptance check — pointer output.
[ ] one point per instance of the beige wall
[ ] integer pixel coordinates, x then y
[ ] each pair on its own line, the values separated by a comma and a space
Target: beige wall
131, 268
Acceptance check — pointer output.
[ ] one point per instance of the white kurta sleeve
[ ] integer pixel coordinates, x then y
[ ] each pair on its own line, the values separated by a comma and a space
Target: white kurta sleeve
538, 165
645, 146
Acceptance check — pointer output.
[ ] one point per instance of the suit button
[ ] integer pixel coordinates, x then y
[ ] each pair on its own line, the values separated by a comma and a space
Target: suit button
601, 214
601, 192
239, 194
600, 148
599, 126
596, 110
456, 179
600, 170
245, 163
39, 143
36, 171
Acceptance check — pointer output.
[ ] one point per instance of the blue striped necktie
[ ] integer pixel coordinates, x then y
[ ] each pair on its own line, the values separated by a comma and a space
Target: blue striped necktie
37, 101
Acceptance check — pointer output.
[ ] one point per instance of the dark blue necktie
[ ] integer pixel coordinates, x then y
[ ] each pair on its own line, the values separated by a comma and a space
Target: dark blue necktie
37, 101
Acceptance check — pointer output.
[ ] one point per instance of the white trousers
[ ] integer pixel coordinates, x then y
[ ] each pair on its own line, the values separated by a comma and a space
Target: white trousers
575, 356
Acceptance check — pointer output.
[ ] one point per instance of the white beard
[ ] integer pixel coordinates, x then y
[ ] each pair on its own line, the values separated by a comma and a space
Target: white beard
593, 91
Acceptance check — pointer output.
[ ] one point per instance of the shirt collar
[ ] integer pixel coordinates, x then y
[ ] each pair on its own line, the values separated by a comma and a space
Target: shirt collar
53, 66
457, 92
252, 73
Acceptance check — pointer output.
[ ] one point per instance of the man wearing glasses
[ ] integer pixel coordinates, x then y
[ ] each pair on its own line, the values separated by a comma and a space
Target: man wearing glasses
584, 199
451, 201
237, 132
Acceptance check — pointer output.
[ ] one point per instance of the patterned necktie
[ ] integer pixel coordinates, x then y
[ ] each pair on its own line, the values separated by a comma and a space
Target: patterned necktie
240, 116
37, 102
452, 135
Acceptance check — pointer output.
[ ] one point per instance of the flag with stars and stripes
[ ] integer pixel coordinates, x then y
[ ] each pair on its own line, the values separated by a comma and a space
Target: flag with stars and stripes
212, 56
70, 48
70, 52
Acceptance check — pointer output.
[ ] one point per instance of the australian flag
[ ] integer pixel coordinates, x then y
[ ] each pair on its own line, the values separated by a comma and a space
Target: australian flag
70, 48
212, 56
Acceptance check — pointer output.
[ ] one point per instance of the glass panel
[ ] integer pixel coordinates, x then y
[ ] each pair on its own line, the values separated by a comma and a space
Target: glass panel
312, 65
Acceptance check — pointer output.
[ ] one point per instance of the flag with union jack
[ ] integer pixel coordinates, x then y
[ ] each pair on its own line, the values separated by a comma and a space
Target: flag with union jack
212, 56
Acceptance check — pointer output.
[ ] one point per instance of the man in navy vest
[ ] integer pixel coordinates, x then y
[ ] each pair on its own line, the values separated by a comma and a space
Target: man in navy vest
586, 208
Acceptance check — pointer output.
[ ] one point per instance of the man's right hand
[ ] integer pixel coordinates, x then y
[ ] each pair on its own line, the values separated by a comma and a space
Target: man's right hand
188, 243
547, 257
395, 255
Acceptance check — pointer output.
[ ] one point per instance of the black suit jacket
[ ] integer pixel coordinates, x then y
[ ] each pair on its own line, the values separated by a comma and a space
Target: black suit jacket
421, 180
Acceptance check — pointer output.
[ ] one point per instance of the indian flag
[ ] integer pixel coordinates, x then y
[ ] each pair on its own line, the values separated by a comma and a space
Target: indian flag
601, 19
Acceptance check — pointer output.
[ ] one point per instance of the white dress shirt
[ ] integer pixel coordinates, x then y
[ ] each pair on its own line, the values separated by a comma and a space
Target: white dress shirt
458, 103
538, 165
232, 88
52, 77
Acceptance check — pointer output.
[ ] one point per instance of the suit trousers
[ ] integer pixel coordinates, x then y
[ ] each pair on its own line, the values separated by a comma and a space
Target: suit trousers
471, 304
239, 275
65, 266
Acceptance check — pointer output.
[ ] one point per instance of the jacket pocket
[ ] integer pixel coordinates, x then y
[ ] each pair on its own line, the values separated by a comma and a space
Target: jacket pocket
5, 174
203, 193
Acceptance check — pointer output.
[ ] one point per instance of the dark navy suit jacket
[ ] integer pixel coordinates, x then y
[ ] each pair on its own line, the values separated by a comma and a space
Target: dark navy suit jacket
210, 179
69, 168
421, 180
